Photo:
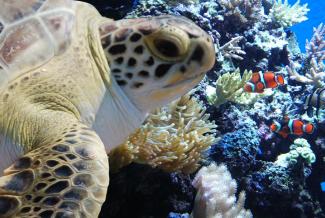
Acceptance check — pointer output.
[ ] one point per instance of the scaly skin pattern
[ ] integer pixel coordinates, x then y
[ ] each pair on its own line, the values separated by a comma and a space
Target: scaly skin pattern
59, 119
47, 112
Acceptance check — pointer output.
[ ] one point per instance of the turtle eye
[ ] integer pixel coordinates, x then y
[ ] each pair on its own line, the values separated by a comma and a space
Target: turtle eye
167, 48
167, 45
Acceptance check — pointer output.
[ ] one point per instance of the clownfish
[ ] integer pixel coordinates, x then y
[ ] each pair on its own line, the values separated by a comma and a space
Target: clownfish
292, 126
261, 81
315, 99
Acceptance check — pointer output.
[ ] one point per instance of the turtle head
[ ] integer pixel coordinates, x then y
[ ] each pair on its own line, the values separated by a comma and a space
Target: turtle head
155, 60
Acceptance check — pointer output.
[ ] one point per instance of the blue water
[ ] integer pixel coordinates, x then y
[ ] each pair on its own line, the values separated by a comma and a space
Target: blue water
316, 15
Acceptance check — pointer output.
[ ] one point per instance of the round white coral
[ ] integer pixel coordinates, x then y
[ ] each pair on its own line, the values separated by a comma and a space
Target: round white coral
216, 194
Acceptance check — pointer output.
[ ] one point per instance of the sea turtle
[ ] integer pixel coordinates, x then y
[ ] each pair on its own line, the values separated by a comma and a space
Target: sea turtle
74, 85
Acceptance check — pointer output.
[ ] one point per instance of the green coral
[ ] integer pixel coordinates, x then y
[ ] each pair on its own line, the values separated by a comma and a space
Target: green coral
300, 148
230, 87
287, 15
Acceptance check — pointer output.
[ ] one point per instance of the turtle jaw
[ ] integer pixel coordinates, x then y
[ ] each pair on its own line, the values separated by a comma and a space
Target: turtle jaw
192, 81
173, 91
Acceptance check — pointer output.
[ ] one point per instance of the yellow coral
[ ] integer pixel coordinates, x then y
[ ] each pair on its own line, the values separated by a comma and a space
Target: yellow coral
172, 138
229, 87
287, 15
124, 154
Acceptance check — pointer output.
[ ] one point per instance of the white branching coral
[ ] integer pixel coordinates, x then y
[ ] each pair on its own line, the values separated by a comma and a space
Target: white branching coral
230, 50
216, 194
173, 138
315, 76
315, 49
286, 15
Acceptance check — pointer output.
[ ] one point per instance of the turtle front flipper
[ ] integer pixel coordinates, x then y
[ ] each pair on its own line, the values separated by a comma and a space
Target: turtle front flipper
66, 178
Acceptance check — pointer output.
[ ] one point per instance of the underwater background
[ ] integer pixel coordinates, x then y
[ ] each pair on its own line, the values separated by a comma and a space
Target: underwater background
249, 140
315, 17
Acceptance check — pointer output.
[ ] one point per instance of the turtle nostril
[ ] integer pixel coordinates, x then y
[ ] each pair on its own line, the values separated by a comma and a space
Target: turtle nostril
197, 54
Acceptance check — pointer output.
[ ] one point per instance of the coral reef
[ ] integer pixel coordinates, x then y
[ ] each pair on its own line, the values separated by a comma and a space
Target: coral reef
315, 48
274, 189
149, 8
230, 50
185, 2
249, 150
314, 72
227, 22
268, 41
315, 76
249, 36
239, 146
242, 11
173, 138
115, 9
287, 15
178, 215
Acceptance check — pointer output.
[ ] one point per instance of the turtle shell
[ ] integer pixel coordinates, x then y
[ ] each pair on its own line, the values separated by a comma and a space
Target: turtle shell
31, 33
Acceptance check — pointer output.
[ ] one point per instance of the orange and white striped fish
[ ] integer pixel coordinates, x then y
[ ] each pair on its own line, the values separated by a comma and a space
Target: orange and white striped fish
261, 81
292, 126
